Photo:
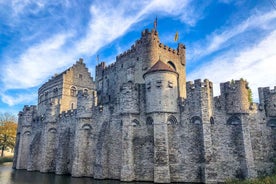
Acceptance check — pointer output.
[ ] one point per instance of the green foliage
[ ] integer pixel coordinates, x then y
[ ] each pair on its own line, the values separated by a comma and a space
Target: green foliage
263, 180
274, 168
5, 159
250, 95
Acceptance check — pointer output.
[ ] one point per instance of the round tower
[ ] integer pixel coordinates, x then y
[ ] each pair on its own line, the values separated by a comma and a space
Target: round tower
161, 100
161, 88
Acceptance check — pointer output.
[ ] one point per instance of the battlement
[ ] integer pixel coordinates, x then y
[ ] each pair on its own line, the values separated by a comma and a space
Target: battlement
69, 113
235, 95
198, 84
233, 85
29, 109
146, 37
267, 99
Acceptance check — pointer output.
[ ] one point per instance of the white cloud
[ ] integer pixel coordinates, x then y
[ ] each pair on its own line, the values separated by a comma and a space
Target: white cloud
107, 22
36, 63
256, 64
16, 99
220, 39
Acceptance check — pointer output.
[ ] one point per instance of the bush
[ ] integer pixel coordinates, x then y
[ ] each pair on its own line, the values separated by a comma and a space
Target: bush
5, 159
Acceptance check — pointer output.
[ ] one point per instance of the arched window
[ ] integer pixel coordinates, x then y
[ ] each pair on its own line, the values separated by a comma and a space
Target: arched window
234, 120
149, 121
72, 105
196, 120
86, 127
73, 91
52, 130
172, 65
85, 91
135, 123
172, 120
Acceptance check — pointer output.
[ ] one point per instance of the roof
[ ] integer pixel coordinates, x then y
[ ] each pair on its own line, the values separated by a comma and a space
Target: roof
160, 66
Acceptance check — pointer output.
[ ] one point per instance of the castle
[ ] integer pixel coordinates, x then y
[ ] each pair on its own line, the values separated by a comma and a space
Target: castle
139, 120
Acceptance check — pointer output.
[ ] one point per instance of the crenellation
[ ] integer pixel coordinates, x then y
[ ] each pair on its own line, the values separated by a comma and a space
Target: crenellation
139, 120
267, 99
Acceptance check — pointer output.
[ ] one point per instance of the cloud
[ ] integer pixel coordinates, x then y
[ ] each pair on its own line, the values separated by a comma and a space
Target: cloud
256, 64
16, 99
50, 43
36, 63
220, 39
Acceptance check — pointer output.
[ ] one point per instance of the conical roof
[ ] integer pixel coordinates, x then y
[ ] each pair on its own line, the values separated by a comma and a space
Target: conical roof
160, 66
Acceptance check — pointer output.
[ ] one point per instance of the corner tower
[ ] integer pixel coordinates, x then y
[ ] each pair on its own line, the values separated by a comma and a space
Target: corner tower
161, 102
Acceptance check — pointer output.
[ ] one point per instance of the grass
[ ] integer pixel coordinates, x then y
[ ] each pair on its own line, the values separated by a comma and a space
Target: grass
5, 159
264, 180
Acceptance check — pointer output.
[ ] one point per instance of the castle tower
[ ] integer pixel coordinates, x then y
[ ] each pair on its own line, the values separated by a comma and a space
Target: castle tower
129, 108
235, 95
83, 149
161, 101
49, 137
135, 62
24, 136
200, 94
268, 100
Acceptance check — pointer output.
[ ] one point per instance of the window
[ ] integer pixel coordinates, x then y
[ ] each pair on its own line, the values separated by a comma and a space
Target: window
135, 123
170, 84
212, 120
234, 120
149, 121
172, 120
55, 91
72, 105
80, 76
196, 120
73, 91
172, 65
148, 85
85, 91
158, 83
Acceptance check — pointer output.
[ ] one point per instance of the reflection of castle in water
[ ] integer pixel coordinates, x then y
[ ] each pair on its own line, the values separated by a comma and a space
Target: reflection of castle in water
140, 120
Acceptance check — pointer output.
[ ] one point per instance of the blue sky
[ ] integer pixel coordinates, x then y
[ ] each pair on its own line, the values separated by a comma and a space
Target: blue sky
225, 39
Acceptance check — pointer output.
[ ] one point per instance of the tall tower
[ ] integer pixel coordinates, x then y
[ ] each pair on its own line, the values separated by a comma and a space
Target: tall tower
161, 101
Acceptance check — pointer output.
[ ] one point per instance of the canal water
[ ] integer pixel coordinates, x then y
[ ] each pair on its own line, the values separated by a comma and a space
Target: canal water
11, 176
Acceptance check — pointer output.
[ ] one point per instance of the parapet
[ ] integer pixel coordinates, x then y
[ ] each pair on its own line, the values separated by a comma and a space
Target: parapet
199, 85
267, 98
29, 108
235, 96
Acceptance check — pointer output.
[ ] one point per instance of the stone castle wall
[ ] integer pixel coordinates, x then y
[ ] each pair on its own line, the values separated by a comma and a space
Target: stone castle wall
138, 126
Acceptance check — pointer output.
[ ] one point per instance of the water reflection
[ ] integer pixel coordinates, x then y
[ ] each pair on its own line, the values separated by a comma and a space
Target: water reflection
10, 176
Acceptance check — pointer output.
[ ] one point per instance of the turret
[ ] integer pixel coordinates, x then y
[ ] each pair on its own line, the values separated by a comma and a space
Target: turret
161, 88
235, 95
200, 94
267, 98
24, 136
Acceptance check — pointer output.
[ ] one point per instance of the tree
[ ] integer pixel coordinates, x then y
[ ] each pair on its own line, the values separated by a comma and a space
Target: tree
8, 129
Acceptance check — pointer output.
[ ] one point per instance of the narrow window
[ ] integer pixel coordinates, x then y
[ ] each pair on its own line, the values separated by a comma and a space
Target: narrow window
73, 91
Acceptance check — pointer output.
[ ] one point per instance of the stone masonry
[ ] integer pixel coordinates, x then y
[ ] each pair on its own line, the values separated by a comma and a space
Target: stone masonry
139, 120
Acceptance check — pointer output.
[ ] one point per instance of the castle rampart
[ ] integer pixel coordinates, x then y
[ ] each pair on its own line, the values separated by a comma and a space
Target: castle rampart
140, 121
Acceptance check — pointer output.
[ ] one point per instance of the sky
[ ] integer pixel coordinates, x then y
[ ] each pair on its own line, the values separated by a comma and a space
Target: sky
225, 39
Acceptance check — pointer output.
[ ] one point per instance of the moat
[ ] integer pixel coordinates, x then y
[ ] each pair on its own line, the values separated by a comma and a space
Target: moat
11, 176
